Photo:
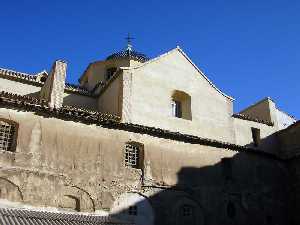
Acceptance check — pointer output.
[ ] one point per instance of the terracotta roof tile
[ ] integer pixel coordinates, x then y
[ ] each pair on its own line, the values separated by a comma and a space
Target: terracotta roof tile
10, 216
245, 117
32, 79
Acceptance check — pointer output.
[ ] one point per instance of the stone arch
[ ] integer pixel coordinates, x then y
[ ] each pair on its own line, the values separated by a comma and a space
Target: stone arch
134, 206
187, 211
77, 199
10, 191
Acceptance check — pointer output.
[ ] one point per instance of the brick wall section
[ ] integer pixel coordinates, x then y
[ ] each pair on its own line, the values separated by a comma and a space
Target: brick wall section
53, 89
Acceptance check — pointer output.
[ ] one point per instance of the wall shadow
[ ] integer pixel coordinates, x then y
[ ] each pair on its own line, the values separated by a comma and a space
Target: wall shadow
245, 189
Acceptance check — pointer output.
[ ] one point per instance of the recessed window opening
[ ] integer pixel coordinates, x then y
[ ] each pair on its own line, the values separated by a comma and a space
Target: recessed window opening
181, 105
133, 210
7, 135
176, 109
187, 211
231, 211
227, 168
255, 136
134, 155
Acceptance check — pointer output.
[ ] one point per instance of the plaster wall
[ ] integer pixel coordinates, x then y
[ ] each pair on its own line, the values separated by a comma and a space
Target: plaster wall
243, 135
96, 71
55, 159
149, 98
263, 110
80, 101
110, 100
284, 120
19, 88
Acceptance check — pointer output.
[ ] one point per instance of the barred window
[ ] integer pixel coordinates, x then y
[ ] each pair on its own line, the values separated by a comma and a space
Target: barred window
133, 155
133, 210
187, 211
7, 135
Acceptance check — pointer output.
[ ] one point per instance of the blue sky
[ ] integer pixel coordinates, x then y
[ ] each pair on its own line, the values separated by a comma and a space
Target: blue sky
249, 49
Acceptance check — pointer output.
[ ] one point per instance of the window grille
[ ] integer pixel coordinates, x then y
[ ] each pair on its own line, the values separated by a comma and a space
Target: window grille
133, 210
187, 211
132, 155
7, 131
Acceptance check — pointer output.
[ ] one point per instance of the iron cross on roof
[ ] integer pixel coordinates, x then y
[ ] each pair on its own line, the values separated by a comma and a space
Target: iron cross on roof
129, 39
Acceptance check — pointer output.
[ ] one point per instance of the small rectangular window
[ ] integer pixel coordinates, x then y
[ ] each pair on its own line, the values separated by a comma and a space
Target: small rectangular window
132, 210
227, 168
131, 155
7, 131
255, 136
187, 211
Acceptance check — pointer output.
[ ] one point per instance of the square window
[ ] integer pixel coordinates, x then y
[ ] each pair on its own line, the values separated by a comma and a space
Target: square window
187, 210
132, 210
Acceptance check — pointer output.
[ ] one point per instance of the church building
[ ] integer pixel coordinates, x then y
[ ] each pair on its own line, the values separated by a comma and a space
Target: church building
142, 141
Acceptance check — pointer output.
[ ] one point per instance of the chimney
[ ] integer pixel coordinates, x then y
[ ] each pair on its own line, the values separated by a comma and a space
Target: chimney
54, 86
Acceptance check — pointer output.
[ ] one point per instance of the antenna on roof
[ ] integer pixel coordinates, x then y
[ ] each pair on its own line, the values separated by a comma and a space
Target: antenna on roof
129, 39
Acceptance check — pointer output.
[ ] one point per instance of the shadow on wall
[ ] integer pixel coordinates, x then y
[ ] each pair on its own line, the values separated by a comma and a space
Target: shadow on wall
245, 189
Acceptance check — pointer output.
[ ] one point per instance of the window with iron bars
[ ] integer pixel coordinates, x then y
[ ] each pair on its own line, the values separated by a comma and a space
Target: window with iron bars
133, 210
132, 155
7, 131
187, 211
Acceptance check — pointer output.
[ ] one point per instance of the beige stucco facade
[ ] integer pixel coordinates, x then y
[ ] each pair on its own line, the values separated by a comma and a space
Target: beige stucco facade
204, 165
51, 164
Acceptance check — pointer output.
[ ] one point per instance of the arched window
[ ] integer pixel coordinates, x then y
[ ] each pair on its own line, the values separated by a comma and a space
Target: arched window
110, 72
134, 155
8, 135
181, 105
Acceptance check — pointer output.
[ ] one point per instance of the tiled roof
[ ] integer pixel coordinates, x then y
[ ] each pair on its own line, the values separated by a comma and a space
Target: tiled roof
129, 53
32, 79
245, 117
40, 107
77, 89
10, 216
29, 103
18, 76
